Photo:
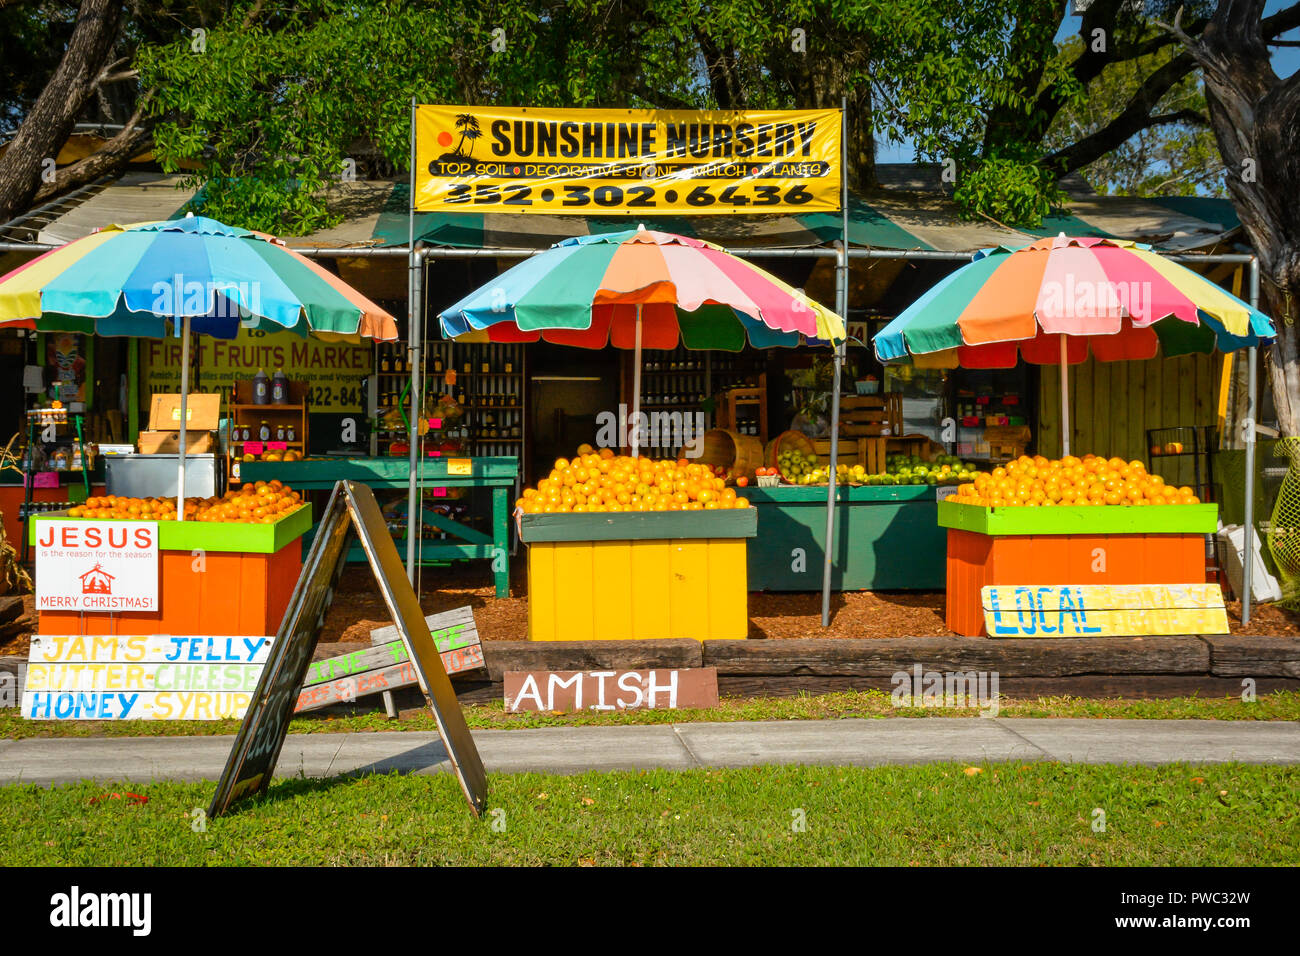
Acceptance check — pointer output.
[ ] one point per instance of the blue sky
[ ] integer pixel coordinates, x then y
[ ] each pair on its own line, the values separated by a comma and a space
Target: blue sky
1286, 60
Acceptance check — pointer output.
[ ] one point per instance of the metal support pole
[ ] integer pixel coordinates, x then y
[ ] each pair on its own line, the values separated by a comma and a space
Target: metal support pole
842, 306
1248, 558
413, 324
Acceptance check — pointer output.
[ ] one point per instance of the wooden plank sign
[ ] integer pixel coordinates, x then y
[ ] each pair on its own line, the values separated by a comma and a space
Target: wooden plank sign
385, 667
154, 677
659, 689
1116, 610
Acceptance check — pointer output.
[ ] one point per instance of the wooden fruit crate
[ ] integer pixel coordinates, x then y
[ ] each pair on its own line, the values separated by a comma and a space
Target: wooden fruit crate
1007, 441
871, 415
870, 453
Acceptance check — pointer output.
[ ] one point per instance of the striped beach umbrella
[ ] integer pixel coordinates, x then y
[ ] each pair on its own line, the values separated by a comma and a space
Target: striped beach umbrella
195, 274
1056, 301
641, 289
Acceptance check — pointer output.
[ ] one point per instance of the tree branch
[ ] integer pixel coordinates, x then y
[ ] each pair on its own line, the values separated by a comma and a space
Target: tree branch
1133, 119
129, 143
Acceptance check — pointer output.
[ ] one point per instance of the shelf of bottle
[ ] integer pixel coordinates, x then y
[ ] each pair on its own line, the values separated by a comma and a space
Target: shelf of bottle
483, 374
268, 408
496, 441
492, 408
267, 441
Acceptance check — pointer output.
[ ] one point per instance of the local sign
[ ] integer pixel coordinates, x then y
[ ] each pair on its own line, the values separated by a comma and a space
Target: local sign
96, 566
1114, 610
626, 162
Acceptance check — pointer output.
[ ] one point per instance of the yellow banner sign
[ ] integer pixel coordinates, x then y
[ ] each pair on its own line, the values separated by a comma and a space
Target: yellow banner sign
626, 162
1115, 610
333, 370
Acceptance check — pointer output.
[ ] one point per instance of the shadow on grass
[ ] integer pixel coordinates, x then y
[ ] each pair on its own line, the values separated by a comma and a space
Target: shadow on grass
429, 756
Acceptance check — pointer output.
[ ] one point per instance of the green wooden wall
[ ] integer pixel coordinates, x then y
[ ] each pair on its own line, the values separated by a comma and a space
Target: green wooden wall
1112, 404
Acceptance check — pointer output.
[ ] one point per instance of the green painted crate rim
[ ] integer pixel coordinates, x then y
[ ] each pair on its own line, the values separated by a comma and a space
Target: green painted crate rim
804, 494
217, 537
1079, 520
639, 526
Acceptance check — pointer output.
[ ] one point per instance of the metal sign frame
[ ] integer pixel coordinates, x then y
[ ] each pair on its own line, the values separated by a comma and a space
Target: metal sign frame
352, 507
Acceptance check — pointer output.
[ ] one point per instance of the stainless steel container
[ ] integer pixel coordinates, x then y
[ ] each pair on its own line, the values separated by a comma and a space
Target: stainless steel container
154, 476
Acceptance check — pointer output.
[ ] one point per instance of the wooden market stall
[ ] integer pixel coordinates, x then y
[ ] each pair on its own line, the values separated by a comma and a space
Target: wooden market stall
441, 476
886, 538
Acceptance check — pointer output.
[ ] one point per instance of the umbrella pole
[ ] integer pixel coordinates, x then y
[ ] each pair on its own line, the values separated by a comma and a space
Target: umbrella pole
185, 388
830, 487
1065, 399
636, 387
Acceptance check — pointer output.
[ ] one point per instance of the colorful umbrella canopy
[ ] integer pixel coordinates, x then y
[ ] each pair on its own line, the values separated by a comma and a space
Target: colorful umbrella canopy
141, 278
1059, 299
590, 291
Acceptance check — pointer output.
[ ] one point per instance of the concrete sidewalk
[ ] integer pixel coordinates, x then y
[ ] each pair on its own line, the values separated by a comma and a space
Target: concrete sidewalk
673, 746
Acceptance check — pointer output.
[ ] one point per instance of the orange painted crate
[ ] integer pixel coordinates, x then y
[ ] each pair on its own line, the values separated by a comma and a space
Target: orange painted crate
1016, 546
978, 560
242, 587
238, 593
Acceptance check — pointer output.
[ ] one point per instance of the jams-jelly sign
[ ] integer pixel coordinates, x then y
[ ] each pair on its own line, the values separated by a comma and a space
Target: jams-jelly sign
96, 565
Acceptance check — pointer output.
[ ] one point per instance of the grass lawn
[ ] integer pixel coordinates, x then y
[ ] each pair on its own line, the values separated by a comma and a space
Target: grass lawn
1017, 814
1284, 705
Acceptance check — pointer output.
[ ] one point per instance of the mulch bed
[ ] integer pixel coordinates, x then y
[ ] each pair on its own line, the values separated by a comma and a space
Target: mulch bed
358, 609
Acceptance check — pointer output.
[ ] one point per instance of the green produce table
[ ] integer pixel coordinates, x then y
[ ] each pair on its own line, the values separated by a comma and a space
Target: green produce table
886, 538
499, 474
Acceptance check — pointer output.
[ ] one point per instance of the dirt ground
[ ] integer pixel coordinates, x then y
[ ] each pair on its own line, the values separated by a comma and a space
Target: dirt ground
358, 609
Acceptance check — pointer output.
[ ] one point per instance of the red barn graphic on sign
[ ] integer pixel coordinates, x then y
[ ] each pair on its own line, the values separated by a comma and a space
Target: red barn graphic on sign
97, 581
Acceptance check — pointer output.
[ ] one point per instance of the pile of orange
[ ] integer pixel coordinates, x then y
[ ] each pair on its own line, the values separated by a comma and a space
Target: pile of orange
137, 509
1043, 482
262, 502
602, 482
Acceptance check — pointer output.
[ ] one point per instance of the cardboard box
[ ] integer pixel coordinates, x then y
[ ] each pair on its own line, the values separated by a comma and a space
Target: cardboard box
169, 443
202, 413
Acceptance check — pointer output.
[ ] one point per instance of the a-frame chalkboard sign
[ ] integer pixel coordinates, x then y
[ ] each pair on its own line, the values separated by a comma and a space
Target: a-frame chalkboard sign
252, 760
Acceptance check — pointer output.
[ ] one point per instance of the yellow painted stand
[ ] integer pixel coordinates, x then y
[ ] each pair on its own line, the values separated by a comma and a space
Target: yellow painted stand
635, 576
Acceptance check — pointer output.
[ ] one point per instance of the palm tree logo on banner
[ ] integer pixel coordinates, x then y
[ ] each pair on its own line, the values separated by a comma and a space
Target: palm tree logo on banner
467, 123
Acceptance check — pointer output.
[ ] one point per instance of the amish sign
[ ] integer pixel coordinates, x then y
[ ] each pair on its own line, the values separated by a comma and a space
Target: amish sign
385, 667
1115, 610
659, 689
96, 565
352, 508
154, 677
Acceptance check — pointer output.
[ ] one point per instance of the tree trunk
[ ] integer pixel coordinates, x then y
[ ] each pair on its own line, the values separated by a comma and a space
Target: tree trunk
129, 143
50, 121
1255, 117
